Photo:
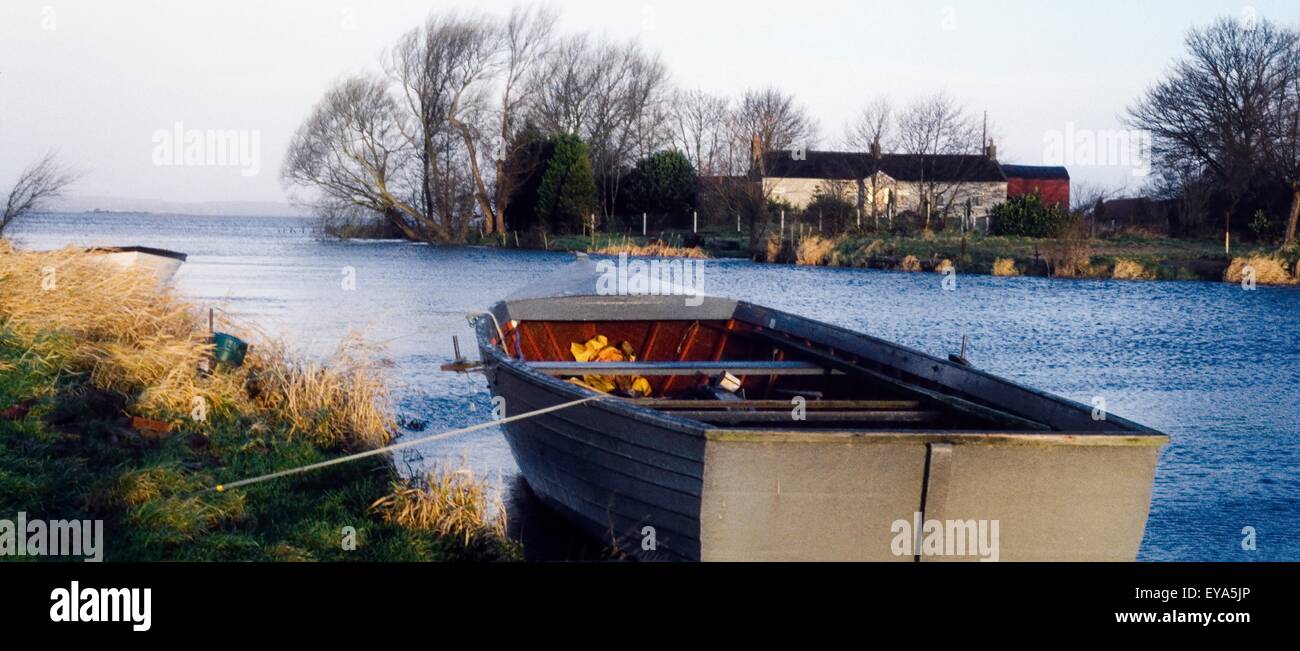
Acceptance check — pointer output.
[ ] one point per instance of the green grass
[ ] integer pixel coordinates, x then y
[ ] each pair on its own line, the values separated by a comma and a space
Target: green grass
69, 458
1168, 258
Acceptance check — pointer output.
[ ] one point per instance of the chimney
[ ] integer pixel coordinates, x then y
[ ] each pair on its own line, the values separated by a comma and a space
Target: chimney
875, 148
991, 150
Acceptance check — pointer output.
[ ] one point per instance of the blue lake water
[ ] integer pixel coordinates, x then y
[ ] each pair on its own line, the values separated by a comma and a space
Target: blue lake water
1213, 365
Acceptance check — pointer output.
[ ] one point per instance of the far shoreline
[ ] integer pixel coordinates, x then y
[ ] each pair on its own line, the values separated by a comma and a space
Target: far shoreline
1122, 256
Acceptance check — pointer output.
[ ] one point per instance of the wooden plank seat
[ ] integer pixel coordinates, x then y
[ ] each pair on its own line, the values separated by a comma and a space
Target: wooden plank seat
735, 367
892, 416
668, 404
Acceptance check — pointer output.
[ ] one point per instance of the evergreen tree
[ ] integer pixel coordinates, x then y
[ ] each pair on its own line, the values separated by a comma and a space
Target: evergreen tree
567, 194
526, 165
664, 185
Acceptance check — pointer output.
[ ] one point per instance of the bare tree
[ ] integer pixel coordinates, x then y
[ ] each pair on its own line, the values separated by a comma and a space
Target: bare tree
424, 87
764, 121
492, 56
650, 98
612, 95
352, 151
441, 142
936, 129
528, 39
770, 120
1187, 186
1223, 105
873, 125
699, 129
1284, 154
473, 47
46, 179
558, 89
873, 130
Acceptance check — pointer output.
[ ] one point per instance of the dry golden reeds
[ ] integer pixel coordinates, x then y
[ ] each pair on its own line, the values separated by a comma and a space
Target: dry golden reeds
126, 336
450, 504
1068, 253
909, 263
656, 248
1005, 267
1267, 271
773, 247
1126, 269
816, 250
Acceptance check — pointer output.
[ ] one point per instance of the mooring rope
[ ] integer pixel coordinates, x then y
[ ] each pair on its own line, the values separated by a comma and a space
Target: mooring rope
220, 488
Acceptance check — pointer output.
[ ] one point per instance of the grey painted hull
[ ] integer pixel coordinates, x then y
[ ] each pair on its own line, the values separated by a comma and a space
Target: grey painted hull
611, 474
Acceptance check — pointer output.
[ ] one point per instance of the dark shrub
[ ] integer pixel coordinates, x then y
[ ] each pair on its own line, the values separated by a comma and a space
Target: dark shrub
1026, 216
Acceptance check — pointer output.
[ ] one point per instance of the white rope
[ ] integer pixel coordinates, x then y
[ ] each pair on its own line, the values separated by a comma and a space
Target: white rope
398, 446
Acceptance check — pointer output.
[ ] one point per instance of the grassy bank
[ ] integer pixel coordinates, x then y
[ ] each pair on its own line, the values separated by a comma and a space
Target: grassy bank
1125, 257
669, 243
1122, 256
84, 350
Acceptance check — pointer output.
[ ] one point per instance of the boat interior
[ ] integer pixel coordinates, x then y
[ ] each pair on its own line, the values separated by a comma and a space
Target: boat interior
738, 375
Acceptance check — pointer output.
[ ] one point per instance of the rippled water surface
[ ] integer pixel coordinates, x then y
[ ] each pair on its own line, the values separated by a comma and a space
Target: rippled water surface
1216, 367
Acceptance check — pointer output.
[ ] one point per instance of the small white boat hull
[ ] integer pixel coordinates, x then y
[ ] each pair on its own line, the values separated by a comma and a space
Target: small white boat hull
161, 263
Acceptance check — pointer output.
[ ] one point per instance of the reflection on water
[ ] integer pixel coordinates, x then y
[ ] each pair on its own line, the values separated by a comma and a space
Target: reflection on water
1216, 367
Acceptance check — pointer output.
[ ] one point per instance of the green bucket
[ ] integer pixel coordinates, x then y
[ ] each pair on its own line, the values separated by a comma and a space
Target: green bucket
228, 349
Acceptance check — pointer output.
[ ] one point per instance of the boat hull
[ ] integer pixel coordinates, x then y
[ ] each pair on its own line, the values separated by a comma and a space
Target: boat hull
611, 474
161, 264
721, 495
658, 486
861, 498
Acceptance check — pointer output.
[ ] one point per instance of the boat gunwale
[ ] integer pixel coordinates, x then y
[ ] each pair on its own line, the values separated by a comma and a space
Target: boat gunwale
1134, 427
148, 250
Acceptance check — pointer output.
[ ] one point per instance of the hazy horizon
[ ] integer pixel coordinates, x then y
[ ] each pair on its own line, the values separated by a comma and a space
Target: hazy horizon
98, 83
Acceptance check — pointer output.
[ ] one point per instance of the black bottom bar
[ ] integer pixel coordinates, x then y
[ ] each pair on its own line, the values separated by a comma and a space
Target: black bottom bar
312, 600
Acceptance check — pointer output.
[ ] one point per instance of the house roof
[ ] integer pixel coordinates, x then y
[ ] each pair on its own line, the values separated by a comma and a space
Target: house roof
1036, 172
847, 166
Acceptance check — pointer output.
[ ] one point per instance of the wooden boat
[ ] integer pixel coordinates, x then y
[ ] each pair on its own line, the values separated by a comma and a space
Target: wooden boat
891, 435
159, 262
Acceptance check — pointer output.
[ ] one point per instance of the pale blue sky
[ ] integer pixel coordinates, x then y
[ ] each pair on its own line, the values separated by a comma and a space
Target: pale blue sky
97, 79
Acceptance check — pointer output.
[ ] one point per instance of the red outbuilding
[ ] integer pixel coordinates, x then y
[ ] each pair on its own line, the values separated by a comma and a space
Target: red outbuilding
1051, 184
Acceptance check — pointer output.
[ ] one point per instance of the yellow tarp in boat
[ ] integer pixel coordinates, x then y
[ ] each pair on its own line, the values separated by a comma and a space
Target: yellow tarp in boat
597, 349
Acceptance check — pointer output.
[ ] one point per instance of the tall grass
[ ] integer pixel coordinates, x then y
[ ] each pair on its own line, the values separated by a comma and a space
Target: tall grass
125, 336
815, 250
1268, 270
909, 263
653, 248
452, 504
1126, 269
1005, 267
